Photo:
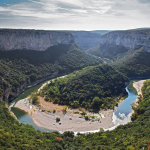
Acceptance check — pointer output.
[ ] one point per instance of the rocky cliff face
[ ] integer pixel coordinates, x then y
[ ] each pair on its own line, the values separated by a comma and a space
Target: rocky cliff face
40, 40
130, 39
10, 95
86, 39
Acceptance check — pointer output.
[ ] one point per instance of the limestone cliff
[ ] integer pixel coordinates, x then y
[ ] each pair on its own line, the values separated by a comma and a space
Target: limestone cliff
86, 39
40, 40
130, 39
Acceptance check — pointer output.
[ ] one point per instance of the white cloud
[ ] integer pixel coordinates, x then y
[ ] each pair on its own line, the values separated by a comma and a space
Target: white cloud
77, 14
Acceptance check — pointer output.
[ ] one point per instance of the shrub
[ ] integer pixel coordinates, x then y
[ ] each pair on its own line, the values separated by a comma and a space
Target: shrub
57, 119
86, 118
65, 108
54, 110
83, 113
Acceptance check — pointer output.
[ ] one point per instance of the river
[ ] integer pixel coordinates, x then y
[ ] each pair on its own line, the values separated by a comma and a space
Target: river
121, 115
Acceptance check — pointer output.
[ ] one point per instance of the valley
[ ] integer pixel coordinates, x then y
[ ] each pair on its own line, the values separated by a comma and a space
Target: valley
96, 103
72, 120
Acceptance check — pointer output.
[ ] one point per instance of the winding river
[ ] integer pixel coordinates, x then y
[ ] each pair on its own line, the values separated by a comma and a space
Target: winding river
121, 115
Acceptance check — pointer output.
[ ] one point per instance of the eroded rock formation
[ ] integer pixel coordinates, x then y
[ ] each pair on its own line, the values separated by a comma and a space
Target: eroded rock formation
40, 40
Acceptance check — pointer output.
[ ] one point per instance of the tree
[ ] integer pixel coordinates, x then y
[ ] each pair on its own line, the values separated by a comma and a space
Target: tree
65, 108
34, 99
96, 103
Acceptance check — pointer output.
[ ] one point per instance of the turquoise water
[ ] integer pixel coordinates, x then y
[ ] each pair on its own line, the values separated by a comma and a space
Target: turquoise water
125, 107
27, 93
25, 118
22, 116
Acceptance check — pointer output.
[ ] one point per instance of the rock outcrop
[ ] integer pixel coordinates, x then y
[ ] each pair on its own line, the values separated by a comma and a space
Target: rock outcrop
10, 95
40, 40
130, 39
86, 39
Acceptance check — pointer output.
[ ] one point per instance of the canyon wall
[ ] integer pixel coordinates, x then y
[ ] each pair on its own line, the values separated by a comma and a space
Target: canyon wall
130, 39
86, 39
40, 40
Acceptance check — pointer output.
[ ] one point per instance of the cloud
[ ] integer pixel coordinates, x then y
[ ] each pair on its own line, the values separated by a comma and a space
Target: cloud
144, 1
76, 14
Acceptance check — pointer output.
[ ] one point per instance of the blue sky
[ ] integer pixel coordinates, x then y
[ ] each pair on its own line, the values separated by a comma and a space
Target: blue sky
75, 14
11, 2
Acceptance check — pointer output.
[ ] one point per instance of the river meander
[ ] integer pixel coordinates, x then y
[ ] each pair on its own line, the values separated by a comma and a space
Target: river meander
122, 111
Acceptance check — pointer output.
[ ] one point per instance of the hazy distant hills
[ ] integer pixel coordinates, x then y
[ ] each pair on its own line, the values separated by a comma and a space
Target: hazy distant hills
101, 32
87, 39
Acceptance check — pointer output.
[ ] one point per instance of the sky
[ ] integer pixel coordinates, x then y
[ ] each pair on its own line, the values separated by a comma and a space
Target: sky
75, 14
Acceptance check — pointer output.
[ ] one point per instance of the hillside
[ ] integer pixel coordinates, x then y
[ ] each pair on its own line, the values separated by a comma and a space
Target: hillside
134, 135
20, 68
134, 63
108, 51
129, 39
116, 43
91, 88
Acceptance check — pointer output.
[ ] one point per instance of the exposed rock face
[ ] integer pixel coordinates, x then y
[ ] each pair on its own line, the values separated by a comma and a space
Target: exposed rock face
9, 95
86, 39
118, 43
40, 40
130, 39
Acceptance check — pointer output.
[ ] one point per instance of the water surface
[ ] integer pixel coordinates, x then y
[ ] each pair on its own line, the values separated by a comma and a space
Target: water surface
124, 107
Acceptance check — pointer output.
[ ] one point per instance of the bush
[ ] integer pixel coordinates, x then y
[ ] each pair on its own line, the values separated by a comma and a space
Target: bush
86, 118
83, 113
65, 108
57, 119
54, 110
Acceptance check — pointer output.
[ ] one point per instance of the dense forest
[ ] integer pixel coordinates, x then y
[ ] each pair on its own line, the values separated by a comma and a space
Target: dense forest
134, 64
20, 66
134, 135
91, 88
108, 51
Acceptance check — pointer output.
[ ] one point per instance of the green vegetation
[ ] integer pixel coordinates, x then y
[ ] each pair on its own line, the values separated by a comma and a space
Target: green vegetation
134, 63
34, 99
134, 135
54, 110
16, 136
65, 108
24, 66
90, 88
86, 117
57, 119
108, 51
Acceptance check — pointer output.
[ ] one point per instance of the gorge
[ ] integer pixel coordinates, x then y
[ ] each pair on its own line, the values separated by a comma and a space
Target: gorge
92, 86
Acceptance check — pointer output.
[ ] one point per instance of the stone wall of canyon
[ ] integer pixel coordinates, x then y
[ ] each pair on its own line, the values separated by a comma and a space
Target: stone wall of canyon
130, 39
40, 40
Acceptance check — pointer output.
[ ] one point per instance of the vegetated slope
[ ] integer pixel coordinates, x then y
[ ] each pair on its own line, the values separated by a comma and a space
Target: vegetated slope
134, 64
116, 43
134, 135
20, 66
92, 88
108, 51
